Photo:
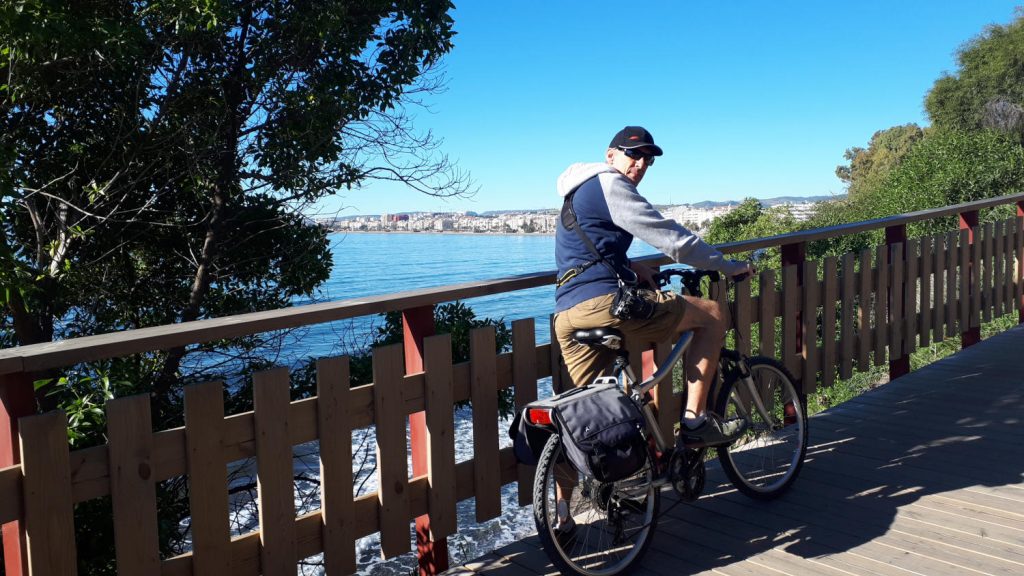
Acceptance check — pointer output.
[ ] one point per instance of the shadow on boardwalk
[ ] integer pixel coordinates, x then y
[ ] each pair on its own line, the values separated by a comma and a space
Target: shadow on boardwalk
922, 475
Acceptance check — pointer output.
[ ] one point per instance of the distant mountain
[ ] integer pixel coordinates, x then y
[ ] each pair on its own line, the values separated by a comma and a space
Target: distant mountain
771, 201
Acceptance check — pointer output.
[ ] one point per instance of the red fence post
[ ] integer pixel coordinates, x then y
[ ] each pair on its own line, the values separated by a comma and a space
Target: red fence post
417, 324
893, 235
970, 336
1020, 268
17, 399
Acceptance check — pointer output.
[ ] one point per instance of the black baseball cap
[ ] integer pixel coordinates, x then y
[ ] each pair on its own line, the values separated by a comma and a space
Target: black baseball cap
635, 137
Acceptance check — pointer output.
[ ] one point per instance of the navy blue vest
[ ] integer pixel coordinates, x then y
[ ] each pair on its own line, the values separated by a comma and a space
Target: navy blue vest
611, 241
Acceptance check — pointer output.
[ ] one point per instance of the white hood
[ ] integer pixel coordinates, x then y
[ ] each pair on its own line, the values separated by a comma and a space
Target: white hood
579, 173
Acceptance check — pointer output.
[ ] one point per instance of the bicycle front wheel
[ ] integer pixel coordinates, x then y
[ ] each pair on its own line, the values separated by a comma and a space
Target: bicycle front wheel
765, 461
609, 525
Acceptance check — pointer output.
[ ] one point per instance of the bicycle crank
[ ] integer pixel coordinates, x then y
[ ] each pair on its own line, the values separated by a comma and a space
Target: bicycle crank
687, 473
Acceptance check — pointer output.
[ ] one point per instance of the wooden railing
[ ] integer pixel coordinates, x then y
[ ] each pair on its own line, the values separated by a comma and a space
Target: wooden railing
872, 307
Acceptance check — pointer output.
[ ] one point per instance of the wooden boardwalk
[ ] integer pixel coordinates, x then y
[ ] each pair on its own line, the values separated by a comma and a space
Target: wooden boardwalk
920, 476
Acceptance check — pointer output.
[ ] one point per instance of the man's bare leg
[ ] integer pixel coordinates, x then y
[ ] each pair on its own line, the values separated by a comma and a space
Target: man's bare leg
706, 319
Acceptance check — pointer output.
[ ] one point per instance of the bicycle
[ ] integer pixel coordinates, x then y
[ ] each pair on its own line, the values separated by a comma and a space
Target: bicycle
614, 522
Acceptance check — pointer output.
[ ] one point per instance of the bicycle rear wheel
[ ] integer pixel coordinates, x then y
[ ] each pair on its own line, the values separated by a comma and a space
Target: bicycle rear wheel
765, 461
614, 522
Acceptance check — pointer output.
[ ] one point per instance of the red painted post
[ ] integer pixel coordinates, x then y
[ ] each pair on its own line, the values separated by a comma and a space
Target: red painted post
17, 399
969, 221
417, 324
1020, 268
897, 234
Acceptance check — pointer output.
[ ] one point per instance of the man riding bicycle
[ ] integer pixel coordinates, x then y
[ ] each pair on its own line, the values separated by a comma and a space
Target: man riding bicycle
592, 264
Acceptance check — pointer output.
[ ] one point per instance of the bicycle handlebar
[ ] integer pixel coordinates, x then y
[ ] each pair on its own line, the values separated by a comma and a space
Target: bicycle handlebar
691, 278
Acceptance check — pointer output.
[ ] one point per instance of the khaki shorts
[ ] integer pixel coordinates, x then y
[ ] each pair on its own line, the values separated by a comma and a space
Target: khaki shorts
586, 362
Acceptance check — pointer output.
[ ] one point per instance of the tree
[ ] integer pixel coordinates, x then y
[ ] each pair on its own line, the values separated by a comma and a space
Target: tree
156, 155
987, 90
155, 159
752, 220
868, 167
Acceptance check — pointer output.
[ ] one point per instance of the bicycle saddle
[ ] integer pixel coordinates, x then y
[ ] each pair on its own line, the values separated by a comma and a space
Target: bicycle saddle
611, 338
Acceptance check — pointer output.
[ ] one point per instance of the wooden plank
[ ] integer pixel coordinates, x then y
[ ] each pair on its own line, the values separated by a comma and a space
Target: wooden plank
335, 432
392, 450
926, 291
998, 269
1008, 289
975, 289
986, 279
744, 312
524, 378
132, 485
790, 308
910, 297
208, 479
487, 483
767, 300
49, 521
895, 321
10, 490
881, 306
939, 301
864, 312
828, 321
965, 280
951, 284
1019, 298
274, 486
847, 299
437, 361
560, 381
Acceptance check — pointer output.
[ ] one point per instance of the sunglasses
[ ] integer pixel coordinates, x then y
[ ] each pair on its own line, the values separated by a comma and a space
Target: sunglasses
634, 154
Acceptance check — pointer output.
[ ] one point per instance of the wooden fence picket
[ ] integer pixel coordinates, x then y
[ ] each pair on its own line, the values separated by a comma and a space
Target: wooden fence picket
926, 292
437, 362
337, 516
828, 321
392, 449
484, 394
951, 284
274, 485
895, 293
1019, 250
881, 308
864, 311
743, 316
208, 479
790, 308
910, 297
986, 279
847, 297
132, 485
809, 319
48, 509
767, 314
1008, 251
965, 280
524, 379
975, 287
939, 300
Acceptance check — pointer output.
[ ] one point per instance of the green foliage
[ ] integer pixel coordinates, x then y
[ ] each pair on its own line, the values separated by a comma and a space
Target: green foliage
868, 167
987, 90
751, 220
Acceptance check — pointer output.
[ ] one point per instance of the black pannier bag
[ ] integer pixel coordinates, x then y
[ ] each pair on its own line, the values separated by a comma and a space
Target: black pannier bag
601, 432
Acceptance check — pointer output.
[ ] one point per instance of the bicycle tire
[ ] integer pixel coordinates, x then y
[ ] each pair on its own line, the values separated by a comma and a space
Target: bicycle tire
598, 546
765, 461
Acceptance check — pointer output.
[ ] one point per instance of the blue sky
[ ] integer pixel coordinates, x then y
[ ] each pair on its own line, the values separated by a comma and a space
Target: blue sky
746, 98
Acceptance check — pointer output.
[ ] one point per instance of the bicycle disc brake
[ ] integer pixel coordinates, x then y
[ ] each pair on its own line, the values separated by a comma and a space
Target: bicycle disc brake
688, 473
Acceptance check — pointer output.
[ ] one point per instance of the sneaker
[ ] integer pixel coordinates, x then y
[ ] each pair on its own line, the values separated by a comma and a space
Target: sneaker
712, 432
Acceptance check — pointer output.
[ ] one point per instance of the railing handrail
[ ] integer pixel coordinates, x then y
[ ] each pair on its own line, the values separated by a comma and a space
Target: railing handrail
36, 357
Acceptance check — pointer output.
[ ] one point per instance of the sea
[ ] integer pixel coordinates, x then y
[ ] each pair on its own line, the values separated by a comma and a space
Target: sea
367, 264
